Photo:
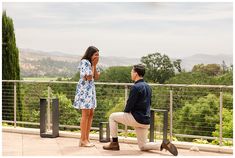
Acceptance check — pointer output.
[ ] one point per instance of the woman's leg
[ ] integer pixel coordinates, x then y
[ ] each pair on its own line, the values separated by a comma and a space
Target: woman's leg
89, 123
83, 125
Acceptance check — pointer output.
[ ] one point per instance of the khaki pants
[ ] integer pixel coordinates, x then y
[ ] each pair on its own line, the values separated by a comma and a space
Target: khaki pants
141, 129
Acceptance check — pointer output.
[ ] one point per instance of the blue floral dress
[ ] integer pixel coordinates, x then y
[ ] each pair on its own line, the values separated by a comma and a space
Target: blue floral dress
85, 97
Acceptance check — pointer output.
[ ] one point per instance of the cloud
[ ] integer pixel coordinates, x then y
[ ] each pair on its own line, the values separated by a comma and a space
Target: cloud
121, 28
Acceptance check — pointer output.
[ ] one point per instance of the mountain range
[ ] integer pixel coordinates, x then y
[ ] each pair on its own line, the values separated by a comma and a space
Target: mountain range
36, 63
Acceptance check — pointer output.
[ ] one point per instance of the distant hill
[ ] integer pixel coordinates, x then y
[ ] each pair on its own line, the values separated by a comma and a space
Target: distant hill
189, 62
35, 63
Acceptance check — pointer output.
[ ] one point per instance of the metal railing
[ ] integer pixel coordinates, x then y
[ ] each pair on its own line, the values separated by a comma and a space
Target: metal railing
20, 100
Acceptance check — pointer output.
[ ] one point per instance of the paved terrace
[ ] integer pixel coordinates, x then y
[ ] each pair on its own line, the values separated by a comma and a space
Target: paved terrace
25, 144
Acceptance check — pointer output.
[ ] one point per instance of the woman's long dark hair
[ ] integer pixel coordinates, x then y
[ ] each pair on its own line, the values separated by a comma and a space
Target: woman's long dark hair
89, 53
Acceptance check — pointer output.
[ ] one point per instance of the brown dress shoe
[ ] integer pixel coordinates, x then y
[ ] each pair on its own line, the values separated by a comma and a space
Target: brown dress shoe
112, 146
166, 144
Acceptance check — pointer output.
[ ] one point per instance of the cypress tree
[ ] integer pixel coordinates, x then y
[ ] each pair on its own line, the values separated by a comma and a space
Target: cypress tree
10, 69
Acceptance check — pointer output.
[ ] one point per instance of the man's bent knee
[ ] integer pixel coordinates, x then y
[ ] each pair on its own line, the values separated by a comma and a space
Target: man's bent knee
111, 117
114, 115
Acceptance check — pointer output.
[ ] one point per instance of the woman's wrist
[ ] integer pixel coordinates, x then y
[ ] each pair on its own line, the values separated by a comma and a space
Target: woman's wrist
94, 69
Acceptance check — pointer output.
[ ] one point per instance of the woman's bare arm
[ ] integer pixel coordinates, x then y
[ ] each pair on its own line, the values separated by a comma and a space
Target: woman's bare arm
95, 74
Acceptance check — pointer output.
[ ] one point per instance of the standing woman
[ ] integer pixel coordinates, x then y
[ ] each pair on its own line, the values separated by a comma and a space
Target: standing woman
85, 97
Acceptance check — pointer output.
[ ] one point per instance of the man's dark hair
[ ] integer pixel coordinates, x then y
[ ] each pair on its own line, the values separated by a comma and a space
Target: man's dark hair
140, 69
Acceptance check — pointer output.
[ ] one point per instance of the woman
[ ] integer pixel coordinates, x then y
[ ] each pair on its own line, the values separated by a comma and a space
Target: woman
85, 98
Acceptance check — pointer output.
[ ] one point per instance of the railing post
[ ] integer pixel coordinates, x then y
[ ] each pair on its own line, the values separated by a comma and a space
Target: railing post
171, 114
151, 134
126, 96
221, 119
15, 104
101, 133
48, 109
165, 123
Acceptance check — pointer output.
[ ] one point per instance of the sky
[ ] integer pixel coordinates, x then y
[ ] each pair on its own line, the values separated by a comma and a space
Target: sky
177, 29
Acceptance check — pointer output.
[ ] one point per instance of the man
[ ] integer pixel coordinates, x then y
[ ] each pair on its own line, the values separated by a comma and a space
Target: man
137, 114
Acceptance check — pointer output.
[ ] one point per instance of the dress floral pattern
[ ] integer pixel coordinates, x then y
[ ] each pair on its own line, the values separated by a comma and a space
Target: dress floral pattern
85, 97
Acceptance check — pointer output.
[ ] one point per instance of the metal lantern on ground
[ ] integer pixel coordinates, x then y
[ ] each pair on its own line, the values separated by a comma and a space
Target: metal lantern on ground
49, 118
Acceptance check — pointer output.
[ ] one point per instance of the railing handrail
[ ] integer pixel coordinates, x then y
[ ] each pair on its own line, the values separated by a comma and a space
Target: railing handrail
125, 84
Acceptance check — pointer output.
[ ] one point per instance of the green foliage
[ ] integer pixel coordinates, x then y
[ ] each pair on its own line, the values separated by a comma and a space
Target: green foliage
118, 74
227, 126
10, 53
119, 107
159, 68
67, 89
68, 114
31, 109
224, 142
224, 79
94, 132
228, 101
201, 78
177, 64
107, 97
198, 118
76, 77
209, 69
190, 78
160, 97
129, 134
10, 66
200, 141
4, 124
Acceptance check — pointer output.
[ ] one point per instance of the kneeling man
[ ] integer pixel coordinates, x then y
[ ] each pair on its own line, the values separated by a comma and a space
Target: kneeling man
137, 115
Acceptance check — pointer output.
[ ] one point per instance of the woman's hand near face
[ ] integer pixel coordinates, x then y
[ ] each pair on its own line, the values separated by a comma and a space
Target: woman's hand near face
95, 60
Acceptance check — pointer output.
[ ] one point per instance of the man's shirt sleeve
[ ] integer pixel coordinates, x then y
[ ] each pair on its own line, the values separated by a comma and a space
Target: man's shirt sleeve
132, 99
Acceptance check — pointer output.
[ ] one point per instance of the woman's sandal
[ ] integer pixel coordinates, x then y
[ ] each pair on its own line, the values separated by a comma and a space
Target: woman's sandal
86, 145
166, 144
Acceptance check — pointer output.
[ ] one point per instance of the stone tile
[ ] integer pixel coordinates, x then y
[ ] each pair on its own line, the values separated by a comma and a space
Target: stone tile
11, 153
11, 144
33, 145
